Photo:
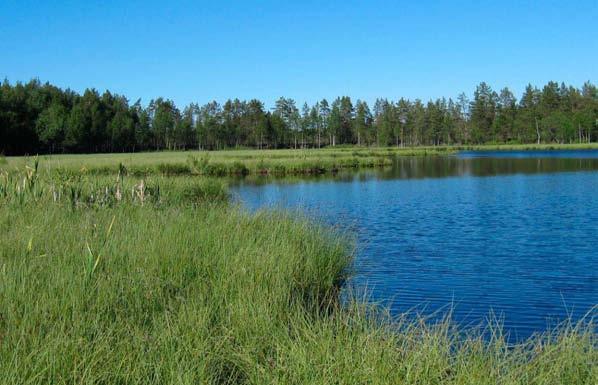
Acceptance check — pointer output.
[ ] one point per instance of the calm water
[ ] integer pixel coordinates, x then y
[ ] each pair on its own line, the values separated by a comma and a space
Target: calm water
513, 233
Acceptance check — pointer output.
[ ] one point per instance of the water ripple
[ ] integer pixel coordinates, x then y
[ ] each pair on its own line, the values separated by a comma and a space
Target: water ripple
513, 236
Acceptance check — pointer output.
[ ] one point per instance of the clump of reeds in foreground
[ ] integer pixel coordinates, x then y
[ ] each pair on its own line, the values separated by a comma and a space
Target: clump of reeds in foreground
190, 290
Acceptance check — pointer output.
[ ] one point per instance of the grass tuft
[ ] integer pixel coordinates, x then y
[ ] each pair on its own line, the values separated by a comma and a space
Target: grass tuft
120, 280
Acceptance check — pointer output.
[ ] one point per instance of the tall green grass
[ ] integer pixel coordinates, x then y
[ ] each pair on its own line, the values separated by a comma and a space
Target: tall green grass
187, 289
530, 147
254, 162
225, 163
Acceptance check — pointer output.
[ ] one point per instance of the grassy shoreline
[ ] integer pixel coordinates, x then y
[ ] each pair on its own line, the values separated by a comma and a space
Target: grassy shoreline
530, 147
225, 163
110, 280
254, 162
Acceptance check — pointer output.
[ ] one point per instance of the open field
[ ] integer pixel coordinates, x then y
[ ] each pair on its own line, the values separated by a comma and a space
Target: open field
242, 162
117, 280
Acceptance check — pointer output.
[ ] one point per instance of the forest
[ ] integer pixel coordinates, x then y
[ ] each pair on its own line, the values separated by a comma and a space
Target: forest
38, 117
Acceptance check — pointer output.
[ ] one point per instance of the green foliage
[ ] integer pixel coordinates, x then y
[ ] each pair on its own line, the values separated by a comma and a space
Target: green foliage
238, 168
198, 164
64, 121
203, 166
173, 169
216, 169
188, 290
205, 191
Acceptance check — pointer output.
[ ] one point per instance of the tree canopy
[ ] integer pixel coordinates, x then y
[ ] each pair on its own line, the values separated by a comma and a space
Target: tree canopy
42, 118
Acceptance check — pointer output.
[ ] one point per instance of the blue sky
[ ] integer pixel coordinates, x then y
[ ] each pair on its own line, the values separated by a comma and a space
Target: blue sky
201, 51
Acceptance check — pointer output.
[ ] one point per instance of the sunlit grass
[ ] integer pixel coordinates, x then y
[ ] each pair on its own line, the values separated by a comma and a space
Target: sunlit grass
102, 286
254, 162
232, 162
531, 147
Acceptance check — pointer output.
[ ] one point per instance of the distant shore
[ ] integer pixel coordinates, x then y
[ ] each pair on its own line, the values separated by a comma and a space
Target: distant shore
258, 162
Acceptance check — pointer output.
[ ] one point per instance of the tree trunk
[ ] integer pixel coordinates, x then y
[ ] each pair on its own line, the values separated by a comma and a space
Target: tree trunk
537, 129
319, 138
402, 137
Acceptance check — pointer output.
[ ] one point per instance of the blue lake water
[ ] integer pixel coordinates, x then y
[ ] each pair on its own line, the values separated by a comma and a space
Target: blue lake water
510, 234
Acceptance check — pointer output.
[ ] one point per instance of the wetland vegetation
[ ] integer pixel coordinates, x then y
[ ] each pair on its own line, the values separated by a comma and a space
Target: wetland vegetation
286, 193
161, 279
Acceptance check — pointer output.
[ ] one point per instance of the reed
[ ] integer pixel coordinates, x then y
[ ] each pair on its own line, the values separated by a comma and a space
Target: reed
182, 287
227, 163
256, 162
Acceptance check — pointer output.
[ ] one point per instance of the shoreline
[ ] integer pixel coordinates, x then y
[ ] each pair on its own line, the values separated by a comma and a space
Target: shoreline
255, 162
112, 280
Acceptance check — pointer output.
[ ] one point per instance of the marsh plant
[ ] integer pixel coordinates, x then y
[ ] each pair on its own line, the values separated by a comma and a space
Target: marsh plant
169, 284
82, 190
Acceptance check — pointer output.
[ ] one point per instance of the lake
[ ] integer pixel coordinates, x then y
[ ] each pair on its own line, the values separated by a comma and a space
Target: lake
513, 234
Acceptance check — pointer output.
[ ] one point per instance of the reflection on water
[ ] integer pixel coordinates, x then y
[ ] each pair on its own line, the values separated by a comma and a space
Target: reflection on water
438, 167
513, 235
527, 154
446, 166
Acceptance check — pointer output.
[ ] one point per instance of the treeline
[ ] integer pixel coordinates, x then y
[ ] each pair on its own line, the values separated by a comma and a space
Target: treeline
42, 118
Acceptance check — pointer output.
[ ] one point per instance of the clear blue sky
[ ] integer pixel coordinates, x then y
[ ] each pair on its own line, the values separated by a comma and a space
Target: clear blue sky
201, 51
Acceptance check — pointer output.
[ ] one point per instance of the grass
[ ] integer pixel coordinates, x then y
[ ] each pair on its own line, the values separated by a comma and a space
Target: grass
222, 163
531, 147
253, 162
101, 286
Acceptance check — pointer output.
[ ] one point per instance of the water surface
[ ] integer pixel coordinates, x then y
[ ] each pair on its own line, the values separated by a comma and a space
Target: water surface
514, 234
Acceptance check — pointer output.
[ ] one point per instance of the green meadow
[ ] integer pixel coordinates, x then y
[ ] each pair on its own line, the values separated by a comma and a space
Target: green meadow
122, 279
286, 162
225, 163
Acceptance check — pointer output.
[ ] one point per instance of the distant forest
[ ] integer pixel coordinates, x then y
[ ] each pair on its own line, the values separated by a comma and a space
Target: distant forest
42, 118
